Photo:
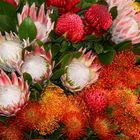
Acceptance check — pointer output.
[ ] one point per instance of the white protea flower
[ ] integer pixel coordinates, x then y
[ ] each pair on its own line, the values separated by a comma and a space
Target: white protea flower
121, 4
81, 72
42, 21
38, 64
14, 94
126, 27
10, 51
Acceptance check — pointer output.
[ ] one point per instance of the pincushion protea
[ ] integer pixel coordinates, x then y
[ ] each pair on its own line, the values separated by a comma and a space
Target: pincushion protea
126, 27
10, 51
14, 94
38, 64
81, 72
42, 21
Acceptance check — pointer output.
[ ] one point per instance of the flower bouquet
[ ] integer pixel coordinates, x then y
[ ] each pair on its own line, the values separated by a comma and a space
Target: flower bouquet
69, 69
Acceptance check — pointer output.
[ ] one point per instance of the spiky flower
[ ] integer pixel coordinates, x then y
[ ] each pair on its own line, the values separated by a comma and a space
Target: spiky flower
64, 5
81, 72
29, 116
96, 100
123, 64
38, 64
97, 19
10, 132
53, 105
14, 94
10, 51
125, 111
41, 20
71, 25
102, 127
126, 27
75, 125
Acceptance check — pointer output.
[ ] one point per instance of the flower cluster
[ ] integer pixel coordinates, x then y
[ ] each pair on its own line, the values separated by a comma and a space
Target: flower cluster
69, 69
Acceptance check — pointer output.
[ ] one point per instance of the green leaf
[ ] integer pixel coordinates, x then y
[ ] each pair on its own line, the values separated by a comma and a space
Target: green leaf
123, 46
98, 48
27, 77
107, 58
114, 12
3, 119
91, 37
6, 24
27, 29
57, 74
7, 9
136, 50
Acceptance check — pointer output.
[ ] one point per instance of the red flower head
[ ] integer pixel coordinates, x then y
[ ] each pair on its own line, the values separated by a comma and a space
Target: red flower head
98, 19
71, 25
13, 2
96, 100
75, 124
64, 5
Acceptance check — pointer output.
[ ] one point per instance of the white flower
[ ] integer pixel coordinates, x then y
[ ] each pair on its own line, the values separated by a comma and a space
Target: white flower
38, 64
81, 72
14, 94
10, 52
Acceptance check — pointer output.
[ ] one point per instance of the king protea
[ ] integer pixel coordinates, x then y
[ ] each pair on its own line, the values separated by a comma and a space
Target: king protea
38, 64
126, 27
41, 20
81, 72
14, 93
10, 51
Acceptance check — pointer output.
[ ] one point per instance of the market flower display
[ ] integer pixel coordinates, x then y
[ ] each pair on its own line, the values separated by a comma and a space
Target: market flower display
69, 70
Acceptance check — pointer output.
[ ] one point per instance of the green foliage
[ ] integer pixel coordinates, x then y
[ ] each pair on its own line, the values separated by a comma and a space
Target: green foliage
27, 29
8, 18
114, 12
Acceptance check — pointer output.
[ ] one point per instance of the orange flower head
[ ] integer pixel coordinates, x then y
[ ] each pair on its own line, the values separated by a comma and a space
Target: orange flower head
75, 124
53, 105
10, 132
102, 127
29, 116
126, 112
54, 99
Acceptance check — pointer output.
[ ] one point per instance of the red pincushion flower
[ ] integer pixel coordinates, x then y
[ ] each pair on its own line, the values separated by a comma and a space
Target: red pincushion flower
98, 19
95, 100
64, 5
71, 25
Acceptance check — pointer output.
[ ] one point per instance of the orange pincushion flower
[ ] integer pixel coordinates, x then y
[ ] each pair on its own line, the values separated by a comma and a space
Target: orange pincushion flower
53, 106
11, 132
29, 116
75, 125
126, 111
76, 103
102, 127
121, 73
